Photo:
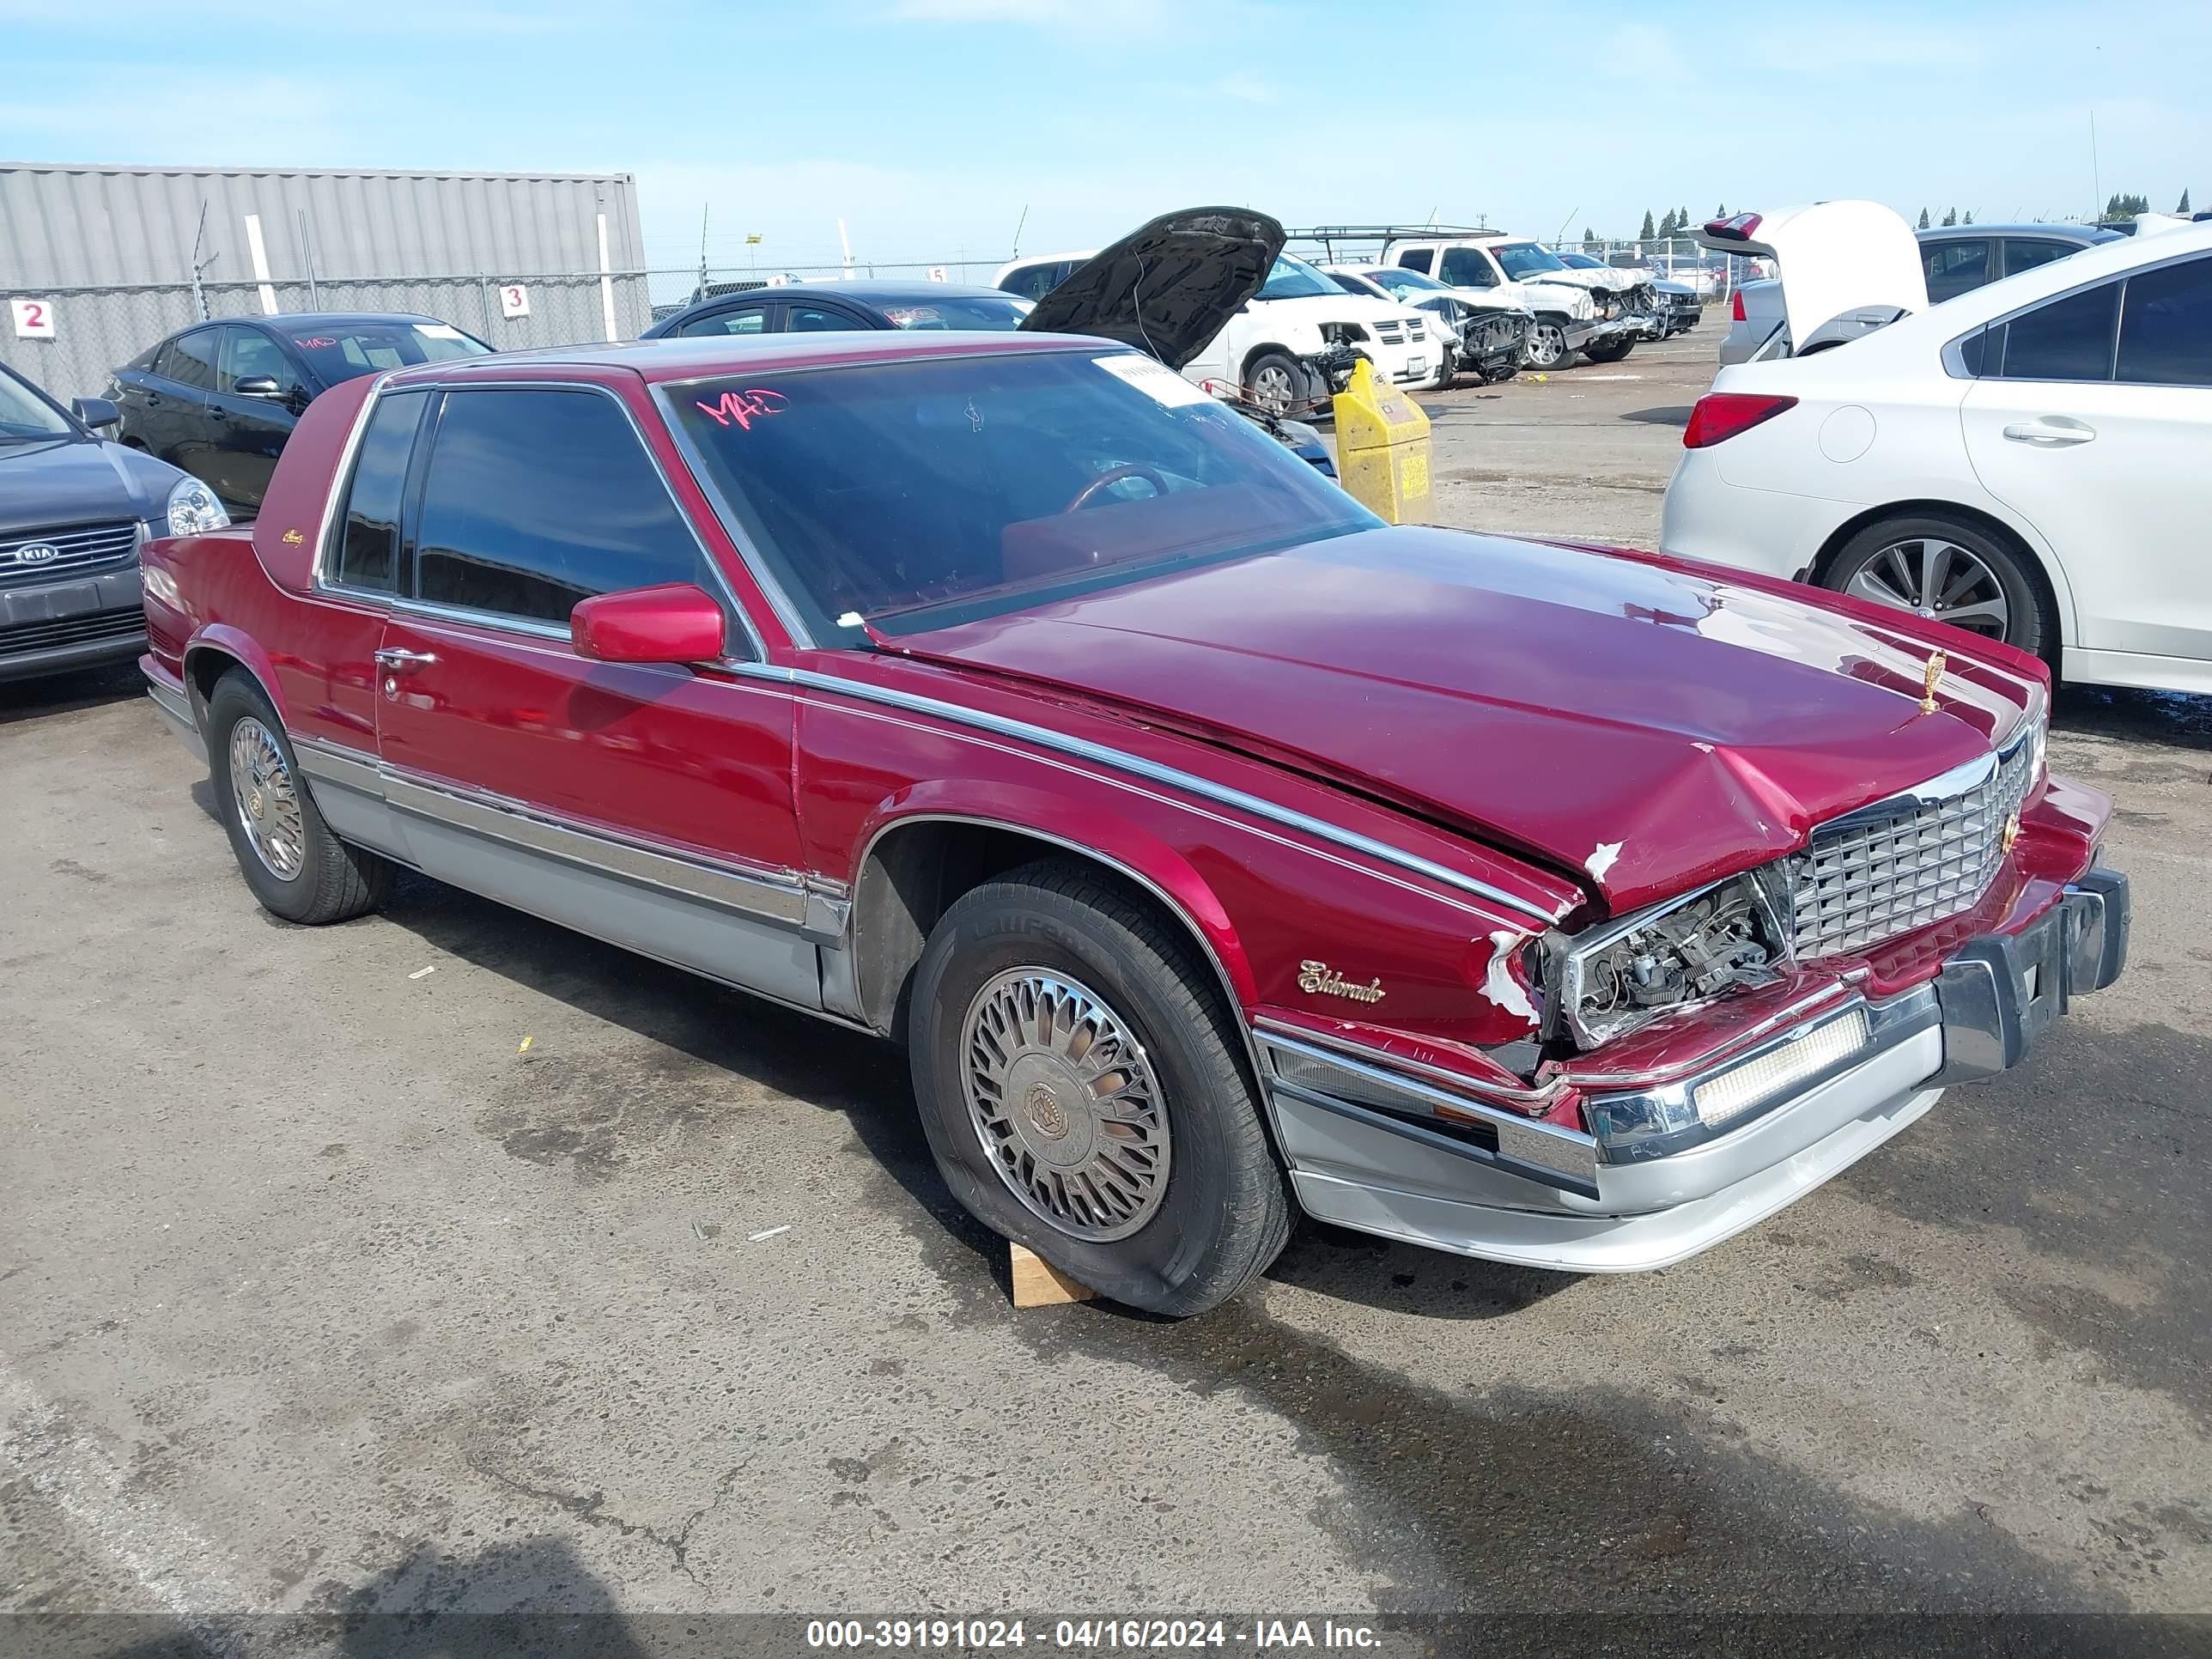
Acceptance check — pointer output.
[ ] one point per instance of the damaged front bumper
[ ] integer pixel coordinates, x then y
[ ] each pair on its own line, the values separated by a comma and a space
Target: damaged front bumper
1492, 342
1670, 1170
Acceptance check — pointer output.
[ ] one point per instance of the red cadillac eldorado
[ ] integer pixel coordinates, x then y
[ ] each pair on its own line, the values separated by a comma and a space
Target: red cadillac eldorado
1213, 848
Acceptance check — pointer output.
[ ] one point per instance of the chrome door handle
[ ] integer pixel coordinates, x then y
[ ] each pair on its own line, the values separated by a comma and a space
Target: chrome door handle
2056, 430
401, 662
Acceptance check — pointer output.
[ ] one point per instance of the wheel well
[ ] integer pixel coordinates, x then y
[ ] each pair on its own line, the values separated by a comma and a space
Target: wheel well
1244, 374
204, 666
1996, 528
915, 872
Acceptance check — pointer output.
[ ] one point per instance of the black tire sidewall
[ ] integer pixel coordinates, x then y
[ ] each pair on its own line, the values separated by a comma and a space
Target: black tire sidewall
2031, 629
235, 698
1301, 384
991, 932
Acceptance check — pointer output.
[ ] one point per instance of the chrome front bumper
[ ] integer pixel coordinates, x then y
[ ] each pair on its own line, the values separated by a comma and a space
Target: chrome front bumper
1673, 1169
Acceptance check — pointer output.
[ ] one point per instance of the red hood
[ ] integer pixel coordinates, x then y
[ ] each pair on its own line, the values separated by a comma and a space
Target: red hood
1554, 701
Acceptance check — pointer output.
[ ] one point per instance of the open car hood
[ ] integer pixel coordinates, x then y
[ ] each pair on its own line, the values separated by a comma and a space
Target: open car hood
1836, 261
1168, 287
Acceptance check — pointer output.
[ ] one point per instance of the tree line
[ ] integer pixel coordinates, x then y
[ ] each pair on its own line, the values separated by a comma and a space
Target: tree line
1676, 222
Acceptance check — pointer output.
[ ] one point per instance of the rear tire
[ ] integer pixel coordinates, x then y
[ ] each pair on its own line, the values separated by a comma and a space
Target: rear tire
296, 867
1170, 1201
1980, 579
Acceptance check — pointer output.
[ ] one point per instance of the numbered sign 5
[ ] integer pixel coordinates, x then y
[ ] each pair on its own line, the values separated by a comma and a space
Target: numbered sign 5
937, 274
514, 301
34, 318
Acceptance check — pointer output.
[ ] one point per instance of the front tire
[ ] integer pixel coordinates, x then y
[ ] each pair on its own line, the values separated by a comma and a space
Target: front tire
1546, 346
1946, 570
1077, 1077
296, 867
1612, 351
1277, 382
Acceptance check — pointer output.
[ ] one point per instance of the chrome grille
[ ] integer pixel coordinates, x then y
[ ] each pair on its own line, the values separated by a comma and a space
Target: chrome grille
1893, 867
79, 548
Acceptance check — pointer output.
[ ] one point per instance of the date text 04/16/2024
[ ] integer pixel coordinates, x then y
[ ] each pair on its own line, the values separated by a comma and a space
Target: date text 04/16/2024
1089, 1635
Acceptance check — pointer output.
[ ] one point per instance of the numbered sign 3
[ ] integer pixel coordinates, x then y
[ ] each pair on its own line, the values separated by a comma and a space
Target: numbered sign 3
514, 301
34, 318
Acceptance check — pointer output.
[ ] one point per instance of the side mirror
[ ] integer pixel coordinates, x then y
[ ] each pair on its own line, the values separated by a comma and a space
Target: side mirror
96, 411
674, 623
257, 386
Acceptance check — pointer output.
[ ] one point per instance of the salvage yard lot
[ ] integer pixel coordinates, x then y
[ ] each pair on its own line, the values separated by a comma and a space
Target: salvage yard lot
550, 1276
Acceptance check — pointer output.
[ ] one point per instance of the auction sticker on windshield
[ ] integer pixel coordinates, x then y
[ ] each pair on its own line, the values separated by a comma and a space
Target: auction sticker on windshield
1155, 379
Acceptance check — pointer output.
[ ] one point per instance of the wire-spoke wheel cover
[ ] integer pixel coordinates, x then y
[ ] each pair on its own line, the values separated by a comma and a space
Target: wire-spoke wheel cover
1938, 579
1065, 1102
266, 800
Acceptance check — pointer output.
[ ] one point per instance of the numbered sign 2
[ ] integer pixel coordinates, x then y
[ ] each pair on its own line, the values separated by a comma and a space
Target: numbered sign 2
514, 301
34, 318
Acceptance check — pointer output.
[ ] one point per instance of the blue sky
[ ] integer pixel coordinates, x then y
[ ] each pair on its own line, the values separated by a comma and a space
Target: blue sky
929, 125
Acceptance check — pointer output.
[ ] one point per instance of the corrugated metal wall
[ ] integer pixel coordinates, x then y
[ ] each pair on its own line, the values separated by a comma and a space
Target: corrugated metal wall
111, 249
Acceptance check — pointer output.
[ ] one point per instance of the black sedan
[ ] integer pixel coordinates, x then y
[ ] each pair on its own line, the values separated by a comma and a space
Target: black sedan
219, 398
73, 510
839, 308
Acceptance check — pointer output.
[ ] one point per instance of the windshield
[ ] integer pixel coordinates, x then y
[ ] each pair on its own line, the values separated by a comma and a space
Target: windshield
1294, 279
1523, 260
345, 351
919, 493
1000, 311
24, 414
1398, 279
1580, 262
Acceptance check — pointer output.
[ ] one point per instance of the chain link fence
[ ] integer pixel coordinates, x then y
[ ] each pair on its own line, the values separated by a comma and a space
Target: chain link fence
1675, 260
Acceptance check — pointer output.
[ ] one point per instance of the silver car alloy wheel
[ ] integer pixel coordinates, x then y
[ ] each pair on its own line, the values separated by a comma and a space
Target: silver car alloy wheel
267, 800
1547, 345
1271, 389
1938, 579
1065, 1103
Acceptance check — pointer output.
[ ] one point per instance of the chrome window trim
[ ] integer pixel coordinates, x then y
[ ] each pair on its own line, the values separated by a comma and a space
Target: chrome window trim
341, 487
1151, 771
720, 583
1955, 367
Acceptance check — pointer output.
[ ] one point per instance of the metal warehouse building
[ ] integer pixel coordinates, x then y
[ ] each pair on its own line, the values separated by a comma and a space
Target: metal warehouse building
97, 262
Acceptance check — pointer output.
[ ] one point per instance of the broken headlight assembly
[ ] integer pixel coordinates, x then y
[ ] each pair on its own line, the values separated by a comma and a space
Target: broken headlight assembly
1342, 334
1610, 979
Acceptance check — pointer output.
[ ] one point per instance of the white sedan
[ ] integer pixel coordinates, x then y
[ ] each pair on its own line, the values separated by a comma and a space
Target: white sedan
2022, 461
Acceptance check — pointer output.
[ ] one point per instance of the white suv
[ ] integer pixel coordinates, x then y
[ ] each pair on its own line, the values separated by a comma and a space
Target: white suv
1494, 269
1298, 312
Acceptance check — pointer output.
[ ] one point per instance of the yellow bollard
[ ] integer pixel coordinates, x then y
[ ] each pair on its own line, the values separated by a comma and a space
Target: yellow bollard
1382, 447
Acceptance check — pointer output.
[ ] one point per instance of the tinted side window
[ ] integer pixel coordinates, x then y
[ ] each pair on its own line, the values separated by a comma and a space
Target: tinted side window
2165, 336
751, 321
1417, 260
1955, 268
2026, 256
250, 354
368, 538
821, 319
535, 500
2068, 339
1034, 282
1467, 267
189, 358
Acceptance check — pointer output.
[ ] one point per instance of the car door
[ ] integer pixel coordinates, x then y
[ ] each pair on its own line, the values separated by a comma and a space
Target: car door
649, 804
170, 409
756, 317
247, 428
2091, 415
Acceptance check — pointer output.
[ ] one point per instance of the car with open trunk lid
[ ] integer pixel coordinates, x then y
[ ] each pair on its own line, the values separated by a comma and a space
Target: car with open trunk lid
1215, 850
